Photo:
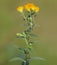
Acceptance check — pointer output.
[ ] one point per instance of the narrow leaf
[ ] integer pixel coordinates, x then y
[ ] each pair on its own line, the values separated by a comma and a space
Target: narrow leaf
33, 35
17, 58
19, 34
38, 58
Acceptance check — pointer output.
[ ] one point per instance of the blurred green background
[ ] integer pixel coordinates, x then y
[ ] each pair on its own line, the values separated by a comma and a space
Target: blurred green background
10, 24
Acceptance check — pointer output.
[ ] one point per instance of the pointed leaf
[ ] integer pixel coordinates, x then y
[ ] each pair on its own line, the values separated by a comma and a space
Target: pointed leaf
17, 58
19, 49
38, 58
19, 34
33, 35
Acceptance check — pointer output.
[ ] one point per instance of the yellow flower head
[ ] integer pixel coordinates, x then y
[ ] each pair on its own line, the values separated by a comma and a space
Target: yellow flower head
20, 9
31, 6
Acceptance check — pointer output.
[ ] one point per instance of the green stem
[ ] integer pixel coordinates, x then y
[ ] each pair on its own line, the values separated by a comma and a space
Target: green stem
29, 20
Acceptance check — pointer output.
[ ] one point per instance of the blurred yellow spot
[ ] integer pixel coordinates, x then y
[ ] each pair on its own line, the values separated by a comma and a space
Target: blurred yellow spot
20, 9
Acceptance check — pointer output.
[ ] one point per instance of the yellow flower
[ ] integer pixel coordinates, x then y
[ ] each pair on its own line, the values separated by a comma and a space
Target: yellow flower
20, 9
29, 7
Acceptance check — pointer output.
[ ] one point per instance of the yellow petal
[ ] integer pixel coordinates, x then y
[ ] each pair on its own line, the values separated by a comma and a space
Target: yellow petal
36, 9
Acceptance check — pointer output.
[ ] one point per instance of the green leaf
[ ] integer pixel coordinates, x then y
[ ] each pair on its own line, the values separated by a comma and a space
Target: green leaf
17, 58
19, 34
38, 58
24, 34
33, 35
19, 49
34, 42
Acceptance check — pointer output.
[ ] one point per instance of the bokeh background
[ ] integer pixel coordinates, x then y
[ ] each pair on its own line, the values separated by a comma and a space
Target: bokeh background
10, 24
